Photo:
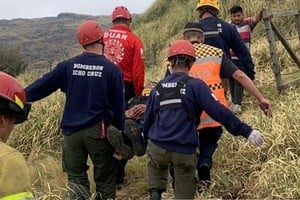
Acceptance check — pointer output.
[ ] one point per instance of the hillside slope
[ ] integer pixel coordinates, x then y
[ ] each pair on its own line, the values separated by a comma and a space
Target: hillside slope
44, 41
240, 171
164, 21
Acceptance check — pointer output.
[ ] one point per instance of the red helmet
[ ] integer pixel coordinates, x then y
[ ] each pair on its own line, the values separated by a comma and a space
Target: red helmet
120, 11
89, 31
182, 47
13, 98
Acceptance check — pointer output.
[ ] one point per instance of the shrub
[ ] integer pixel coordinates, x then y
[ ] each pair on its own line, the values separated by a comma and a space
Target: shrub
11, 61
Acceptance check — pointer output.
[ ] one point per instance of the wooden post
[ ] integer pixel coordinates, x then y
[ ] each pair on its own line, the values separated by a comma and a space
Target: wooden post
285, 44
272, 46
271, 29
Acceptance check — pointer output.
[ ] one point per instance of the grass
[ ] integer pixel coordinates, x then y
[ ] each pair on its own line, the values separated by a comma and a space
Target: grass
240, 171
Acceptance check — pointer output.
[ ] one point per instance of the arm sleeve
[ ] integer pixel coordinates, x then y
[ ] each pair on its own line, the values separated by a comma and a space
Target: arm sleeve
46, 85
149, 116
240, 50
251, 22
118, 101
220, 113
227, 67
138, 68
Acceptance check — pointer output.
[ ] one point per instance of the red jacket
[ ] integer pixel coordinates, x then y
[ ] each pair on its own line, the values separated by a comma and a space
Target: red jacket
126, 50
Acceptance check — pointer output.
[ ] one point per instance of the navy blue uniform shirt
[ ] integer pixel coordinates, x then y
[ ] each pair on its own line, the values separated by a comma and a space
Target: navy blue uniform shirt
173, 130
93, 87
221, 34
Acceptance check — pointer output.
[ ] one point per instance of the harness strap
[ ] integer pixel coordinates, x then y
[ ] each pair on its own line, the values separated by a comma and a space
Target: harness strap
171, 98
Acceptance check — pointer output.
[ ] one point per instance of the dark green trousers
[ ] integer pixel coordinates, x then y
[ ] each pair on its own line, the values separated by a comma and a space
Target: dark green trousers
76, 149
184, 171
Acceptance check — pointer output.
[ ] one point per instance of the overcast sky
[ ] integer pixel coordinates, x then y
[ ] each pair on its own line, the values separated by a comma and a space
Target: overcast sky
10, 9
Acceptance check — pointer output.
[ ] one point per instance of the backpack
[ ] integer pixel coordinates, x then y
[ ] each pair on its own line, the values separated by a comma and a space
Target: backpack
171, 97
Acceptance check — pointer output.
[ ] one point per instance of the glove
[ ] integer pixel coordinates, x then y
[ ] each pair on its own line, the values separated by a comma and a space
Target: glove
255, 138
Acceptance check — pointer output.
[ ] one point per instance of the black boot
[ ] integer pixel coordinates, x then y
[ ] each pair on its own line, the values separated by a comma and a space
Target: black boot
133, 133
115, 138
155, 194
204, 178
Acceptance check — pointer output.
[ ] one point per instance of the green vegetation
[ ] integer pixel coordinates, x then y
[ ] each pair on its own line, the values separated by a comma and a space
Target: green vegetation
11, 61
240, 170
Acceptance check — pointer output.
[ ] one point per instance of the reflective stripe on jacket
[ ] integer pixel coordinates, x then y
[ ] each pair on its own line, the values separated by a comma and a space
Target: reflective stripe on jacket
207, 67
19, 196
221, 34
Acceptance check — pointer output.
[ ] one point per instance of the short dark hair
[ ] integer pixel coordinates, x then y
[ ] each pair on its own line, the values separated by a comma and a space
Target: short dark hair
208, 9
236, 9
182, 59
98, 41
121, 20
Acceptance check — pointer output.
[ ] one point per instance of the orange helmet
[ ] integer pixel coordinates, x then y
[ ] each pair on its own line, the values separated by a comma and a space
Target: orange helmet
120, 11
89, 31
211, 3
181, 47
12, 98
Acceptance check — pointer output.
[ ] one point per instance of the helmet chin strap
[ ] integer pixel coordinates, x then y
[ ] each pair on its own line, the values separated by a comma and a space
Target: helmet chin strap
180, 60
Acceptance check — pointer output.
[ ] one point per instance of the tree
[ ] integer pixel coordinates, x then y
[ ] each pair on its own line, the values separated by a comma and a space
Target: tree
11, 61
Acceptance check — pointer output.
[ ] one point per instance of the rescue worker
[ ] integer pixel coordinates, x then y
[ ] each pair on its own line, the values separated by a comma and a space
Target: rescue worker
221, 34
210, 66
126, 50
15, 181
171, 121
93, 87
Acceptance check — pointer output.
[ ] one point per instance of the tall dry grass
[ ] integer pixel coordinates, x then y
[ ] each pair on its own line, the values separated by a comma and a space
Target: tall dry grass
240, 170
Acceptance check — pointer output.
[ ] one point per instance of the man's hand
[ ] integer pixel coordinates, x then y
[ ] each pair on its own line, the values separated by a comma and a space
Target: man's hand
259, 15
256, 138
139, 110
136, 111
129, 114
265, 106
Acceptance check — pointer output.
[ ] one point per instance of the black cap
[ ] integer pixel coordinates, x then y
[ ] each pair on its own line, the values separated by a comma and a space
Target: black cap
192, 26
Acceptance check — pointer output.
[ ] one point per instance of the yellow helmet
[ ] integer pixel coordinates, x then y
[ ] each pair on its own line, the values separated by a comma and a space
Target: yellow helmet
212, 3
148, 87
